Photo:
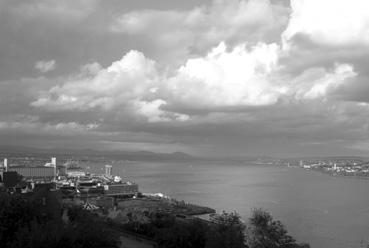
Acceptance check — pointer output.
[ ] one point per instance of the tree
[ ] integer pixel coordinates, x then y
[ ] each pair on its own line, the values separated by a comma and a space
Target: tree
29, 222
264, 232
182, 234
15, 213
227, 231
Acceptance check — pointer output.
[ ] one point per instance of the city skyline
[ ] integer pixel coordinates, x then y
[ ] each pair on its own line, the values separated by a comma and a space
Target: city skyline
236, 77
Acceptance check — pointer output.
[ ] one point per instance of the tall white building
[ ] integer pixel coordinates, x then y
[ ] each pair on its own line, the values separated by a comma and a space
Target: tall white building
6, 164
52, 164
53, 161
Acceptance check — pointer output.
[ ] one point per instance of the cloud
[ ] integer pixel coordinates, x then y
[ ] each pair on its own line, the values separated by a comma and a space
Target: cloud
152, 110
223, 80
240, 77
45, 66
231, 77
61, 10
247, 77
32, 125
123, 81
196, 30
329, 22
127, 85
319, 83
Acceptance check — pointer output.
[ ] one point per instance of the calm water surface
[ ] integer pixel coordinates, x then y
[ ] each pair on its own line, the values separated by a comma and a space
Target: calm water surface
326, 211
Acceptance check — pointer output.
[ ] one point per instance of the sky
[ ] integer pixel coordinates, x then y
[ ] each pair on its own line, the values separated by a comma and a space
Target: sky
206, 77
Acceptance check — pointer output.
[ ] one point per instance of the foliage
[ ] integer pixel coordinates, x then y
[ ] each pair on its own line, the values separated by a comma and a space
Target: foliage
265, 232
36, 222
228, 231
15, 213
170, 232
182, 234
224, 230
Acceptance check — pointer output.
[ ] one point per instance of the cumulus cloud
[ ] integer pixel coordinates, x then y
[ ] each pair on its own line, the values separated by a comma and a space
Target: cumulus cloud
329, 22
244, 76
45, 66
241, 76
128, 85
124, 80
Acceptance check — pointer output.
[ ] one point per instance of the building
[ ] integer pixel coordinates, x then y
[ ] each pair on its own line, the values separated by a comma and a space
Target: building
108, 170
53, 161
52, 164
76, 173
35, 173
61, 170
121, 189
5, 164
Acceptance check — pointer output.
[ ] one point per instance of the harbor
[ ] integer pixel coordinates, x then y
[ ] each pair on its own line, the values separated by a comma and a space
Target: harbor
105, 192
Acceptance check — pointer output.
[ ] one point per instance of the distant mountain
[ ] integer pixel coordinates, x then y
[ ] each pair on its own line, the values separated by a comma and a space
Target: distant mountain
148, 155
18, 149
126, 155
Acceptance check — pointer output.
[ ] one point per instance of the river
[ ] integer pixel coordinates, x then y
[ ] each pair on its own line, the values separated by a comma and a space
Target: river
325, 211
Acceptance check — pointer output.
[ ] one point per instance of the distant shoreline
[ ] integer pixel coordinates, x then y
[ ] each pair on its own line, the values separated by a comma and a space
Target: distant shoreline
337, 174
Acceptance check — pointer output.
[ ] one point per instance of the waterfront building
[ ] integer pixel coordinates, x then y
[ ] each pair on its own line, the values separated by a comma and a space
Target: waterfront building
72, 169
52, 163
45, 173
5, 164
35, 172
76, 173
121, 189
61, 170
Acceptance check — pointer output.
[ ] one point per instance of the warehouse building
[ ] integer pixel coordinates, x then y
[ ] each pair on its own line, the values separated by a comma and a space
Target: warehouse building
35, 172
